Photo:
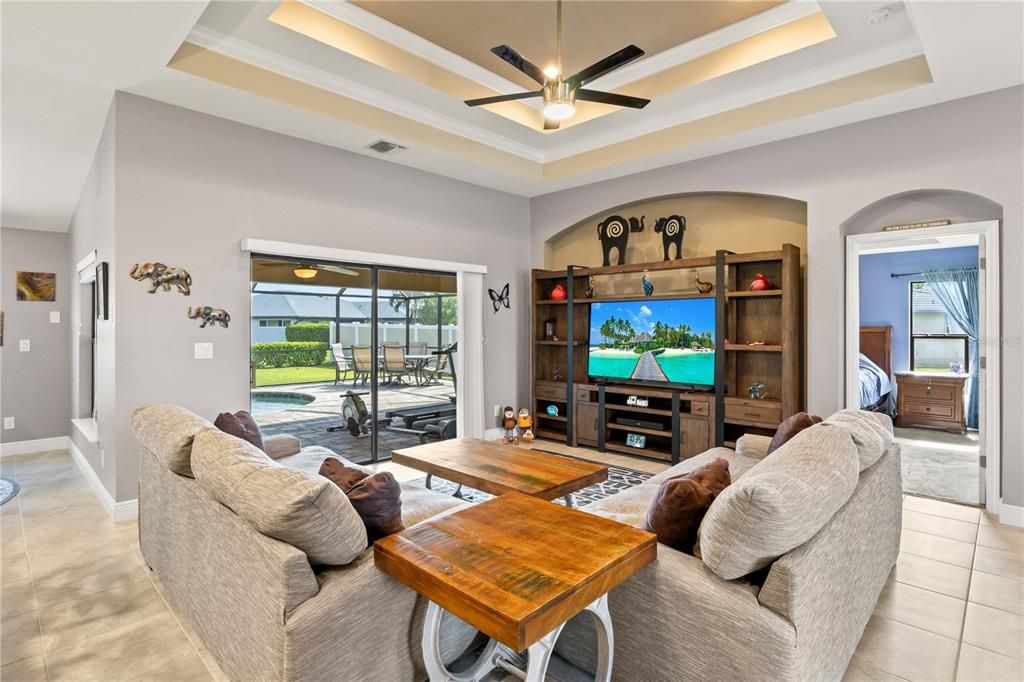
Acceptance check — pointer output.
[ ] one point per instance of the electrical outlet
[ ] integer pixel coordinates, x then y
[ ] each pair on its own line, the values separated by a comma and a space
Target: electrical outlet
204, 351
24, 345
8, 423
103, 458
497, 410
54, 317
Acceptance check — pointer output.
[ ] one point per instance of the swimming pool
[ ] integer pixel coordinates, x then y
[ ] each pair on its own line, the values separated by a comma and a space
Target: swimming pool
262, 403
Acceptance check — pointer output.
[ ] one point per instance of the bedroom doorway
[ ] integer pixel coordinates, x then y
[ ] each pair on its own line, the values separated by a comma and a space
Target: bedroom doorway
918, 320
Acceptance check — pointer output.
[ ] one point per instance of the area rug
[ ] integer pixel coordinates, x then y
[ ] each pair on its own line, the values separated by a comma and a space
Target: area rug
619, 479
940, 465
8, 490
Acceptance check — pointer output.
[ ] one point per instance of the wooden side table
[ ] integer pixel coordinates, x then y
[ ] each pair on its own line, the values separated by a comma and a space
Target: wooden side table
517, 568
935, 400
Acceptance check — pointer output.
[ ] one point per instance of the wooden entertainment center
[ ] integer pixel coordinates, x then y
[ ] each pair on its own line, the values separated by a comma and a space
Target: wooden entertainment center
758, 338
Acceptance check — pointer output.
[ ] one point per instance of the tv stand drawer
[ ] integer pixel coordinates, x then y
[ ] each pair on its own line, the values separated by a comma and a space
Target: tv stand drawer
755, 411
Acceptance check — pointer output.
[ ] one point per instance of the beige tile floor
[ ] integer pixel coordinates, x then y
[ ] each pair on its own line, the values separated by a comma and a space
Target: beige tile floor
78, 603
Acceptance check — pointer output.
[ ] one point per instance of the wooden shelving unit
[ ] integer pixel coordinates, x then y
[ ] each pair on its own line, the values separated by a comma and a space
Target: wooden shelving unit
688, 423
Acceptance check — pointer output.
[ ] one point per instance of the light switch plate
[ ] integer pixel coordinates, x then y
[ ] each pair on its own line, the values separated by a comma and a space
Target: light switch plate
204, 351
54, 317
8, 423
24, 345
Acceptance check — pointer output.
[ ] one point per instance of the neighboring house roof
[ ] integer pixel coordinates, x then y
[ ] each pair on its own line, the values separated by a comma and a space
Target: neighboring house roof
285, 306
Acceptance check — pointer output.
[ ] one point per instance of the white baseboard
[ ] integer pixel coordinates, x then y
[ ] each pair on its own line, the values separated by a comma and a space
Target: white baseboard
27, 447
118, 512
1011, 515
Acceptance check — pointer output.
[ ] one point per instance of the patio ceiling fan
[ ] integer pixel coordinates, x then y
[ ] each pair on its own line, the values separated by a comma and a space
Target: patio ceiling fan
560, 94
304, 270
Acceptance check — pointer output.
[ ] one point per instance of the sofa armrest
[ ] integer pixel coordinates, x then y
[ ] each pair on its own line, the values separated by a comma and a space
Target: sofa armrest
753, 445
388, 617
281, 445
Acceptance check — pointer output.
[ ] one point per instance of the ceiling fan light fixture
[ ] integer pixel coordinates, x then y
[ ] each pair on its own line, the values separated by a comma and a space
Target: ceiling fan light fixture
552, 72
305, 272
559, 101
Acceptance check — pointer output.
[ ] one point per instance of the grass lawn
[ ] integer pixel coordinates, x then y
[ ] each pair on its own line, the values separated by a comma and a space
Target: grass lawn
276, 376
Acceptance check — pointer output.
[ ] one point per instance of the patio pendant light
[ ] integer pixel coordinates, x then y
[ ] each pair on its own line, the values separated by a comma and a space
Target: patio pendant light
305, 272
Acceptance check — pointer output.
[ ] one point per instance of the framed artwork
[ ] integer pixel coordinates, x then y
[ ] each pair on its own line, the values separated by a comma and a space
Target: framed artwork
37, 286
102, 306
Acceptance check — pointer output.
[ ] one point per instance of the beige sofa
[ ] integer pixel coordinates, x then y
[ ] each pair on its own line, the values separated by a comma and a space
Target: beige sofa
261, 609
799, 617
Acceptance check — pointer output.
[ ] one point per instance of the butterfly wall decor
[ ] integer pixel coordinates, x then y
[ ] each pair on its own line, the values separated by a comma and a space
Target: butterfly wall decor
499, 299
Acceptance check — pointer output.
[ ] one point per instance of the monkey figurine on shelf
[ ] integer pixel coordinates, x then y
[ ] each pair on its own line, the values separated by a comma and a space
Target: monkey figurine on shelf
508, 423
525, 423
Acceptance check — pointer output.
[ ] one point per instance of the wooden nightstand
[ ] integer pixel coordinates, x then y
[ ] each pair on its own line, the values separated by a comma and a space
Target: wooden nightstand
931, 400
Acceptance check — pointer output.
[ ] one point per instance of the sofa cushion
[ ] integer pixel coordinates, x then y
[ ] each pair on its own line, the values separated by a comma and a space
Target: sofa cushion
780, 503
681, 502
240, 425
311, 457
789, 427
168, 431
294, 506
377, 498
738, 464
871, 433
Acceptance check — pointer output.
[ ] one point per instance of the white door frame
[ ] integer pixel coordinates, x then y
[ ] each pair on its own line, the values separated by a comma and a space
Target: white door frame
470, 369
988, 345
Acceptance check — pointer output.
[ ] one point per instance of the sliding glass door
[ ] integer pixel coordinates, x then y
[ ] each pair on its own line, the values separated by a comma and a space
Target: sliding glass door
358, 359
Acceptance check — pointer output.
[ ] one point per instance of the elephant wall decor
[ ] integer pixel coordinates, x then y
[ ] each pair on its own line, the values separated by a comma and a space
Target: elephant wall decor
671, 229
210, 316
163, 276
614, 234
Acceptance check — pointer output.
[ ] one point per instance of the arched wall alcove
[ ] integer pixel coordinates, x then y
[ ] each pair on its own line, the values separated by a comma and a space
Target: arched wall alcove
922, 205
714, 220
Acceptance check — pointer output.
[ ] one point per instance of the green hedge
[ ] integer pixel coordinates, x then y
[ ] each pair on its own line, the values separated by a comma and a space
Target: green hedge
319, 332
289, 354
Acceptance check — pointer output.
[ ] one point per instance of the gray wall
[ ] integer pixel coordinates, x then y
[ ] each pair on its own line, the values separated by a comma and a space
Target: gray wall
36, 389
92, 228
972, 146
189, 187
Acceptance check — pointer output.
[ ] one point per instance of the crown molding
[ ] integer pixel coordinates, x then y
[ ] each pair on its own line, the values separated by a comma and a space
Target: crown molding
766, 90
708, 43
249, 53
357, 17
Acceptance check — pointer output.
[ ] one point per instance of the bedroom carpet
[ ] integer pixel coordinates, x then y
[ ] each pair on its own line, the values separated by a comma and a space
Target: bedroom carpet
940, 465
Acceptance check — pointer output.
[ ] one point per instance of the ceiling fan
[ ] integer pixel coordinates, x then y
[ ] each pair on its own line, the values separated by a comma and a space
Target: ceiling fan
311, 270
560, 94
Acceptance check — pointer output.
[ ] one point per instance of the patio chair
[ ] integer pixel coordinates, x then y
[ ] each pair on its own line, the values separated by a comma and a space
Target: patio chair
417, 348
435, 367
342, 364
394, 363
362, 363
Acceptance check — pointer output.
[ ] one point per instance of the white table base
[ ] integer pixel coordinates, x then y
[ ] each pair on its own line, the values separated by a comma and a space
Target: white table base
497, 655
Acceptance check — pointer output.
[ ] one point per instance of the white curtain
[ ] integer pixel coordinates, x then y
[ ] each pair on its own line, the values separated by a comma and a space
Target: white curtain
469, 360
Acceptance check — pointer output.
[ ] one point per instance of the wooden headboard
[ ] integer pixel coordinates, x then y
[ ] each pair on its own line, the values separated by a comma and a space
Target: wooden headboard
876, 343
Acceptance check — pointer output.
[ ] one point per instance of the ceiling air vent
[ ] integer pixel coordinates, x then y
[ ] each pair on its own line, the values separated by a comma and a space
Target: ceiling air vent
385, 147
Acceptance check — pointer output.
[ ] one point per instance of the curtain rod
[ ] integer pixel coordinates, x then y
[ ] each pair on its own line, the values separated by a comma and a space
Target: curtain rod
894, 275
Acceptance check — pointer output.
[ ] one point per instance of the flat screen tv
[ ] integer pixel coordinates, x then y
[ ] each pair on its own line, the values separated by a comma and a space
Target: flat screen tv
669, 341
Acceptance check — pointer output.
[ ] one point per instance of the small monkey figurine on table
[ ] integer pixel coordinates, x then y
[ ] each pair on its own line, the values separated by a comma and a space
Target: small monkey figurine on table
508, 423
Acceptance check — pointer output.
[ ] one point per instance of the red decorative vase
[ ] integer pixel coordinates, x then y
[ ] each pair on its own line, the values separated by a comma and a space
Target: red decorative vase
558, 293
760, 283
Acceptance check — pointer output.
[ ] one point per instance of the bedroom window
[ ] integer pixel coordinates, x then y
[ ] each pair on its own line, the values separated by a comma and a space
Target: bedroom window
936, 341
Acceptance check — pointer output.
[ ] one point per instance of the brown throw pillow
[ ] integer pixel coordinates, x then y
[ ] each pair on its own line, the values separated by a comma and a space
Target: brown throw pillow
241, 425
682, 501
376, 498
789, 428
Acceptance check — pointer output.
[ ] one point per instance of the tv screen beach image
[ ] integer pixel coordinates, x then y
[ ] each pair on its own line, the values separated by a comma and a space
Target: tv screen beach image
669, 341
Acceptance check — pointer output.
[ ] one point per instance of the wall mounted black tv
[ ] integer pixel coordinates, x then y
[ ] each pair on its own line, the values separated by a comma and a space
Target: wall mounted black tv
669, 341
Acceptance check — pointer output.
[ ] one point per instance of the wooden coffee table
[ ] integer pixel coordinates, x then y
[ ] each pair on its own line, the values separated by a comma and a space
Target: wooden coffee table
497, 468
516, 568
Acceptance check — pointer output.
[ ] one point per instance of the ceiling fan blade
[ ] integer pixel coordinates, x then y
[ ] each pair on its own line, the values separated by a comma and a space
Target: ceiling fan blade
520, 62
338, 269
551, 125
612, 98
606, 65
503, 98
